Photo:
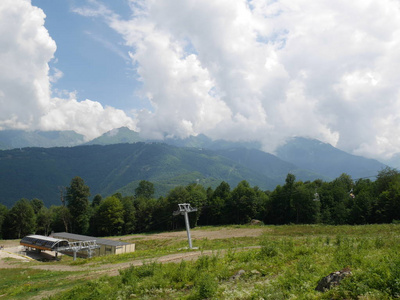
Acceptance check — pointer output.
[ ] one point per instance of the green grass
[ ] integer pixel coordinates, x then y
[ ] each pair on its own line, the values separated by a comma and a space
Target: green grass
24, 283
284, 268
147, 249
315, 230
288, 264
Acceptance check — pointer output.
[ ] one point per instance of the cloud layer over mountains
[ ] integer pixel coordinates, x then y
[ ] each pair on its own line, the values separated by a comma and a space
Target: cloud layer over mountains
233, 69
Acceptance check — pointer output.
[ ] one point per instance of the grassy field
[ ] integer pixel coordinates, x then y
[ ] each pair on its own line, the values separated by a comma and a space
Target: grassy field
284, 262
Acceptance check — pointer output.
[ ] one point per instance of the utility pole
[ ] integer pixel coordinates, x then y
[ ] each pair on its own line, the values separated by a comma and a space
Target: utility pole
184, 209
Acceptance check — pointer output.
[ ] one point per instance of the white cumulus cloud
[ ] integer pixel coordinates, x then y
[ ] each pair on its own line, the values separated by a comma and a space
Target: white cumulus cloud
26, 49
232, 69
268, 70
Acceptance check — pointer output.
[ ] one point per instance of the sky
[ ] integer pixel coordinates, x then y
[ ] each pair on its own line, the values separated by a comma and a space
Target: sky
263, 70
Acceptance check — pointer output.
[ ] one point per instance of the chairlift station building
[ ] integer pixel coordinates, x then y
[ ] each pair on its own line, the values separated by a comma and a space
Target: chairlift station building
78, 245
106, 247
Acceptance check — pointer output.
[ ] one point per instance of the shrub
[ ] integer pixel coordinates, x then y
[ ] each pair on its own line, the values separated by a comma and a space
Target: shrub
205, 286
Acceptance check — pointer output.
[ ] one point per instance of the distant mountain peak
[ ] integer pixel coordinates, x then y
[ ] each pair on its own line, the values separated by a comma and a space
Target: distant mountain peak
306, 141
324, 158
113, 132
117, 136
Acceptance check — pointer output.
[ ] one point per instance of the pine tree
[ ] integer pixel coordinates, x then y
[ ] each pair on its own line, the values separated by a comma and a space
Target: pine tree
78, 205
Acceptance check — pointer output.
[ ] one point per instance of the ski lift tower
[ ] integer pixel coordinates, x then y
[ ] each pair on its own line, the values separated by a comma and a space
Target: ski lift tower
184, 209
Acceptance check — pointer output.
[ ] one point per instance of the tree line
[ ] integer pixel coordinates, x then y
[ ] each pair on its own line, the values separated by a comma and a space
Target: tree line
341, 201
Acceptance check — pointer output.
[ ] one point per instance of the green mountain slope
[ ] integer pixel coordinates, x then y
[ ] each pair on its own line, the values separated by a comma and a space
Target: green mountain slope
325, 159
268, 164
39, 172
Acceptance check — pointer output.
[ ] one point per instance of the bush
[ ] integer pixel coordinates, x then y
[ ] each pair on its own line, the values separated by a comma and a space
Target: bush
206, 286
268, 250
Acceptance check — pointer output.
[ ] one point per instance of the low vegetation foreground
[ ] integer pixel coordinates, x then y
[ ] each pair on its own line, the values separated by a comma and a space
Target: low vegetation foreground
239, 262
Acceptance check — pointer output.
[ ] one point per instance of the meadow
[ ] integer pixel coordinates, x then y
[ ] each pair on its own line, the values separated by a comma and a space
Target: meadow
284, 262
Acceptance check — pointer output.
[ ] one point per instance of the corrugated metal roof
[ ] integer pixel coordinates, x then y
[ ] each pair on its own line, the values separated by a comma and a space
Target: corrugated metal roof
79, 237
42, 242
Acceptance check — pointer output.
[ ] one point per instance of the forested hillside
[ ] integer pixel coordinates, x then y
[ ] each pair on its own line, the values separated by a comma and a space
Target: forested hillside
269, 165
341, 201
41, 172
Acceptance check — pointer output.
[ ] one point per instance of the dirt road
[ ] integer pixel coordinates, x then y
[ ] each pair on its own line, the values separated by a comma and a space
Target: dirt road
221, 233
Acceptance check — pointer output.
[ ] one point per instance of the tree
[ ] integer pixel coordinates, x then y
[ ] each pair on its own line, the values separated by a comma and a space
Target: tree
37, 205
282, 204
363, 203
242, 204
385, 178
327, 204
276, 213
129, 215
66, 217
20, 220
197, 197
144, 211
96, 200
306, 210
145, 189
222, 191
176, 196
3, 214
261, 203
78, 204
289, 190
44, 220
213, 212
341, 188
110, 216
389, 203
61, 218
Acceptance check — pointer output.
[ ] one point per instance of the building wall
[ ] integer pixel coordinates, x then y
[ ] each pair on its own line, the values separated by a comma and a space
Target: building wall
125, 249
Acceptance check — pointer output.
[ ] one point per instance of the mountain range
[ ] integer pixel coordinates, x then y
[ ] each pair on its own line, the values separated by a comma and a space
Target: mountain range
11, 139
40, 165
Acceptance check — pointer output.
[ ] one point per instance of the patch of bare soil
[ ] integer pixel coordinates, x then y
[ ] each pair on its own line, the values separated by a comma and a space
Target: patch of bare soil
9, 243
13, 253
222, 233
